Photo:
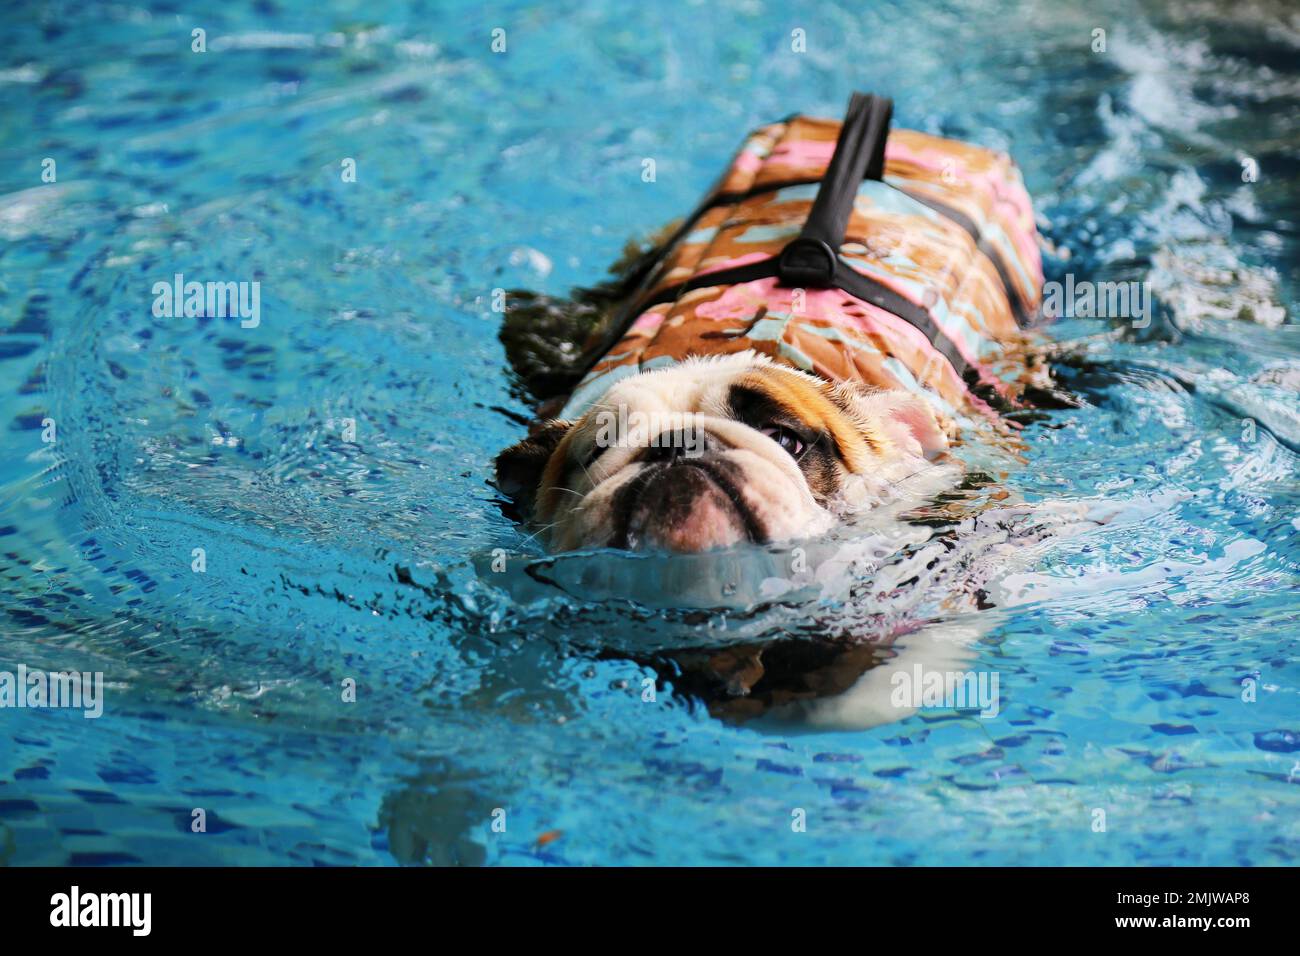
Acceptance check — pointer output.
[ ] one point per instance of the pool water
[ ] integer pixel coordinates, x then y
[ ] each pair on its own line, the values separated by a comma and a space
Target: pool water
331, 460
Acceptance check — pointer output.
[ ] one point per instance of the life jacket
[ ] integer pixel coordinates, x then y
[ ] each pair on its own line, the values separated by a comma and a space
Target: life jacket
890, 257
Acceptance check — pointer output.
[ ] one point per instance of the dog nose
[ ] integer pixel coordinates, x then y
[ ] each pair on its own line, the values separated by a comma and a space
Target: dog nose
670, 446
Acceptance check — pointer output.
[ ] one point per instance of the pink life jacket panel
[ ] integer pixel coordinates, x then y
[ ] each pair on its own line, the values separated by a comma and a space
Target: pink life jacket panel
890, 257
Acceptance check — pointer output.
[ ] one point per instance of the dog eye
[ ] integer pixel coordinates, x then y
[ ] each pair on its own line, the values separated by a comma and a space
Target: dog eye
785, 438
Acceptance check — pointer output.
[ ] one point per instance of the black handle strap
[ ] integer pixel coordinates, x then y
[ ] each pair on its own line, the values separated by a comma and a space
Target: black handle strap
810, 260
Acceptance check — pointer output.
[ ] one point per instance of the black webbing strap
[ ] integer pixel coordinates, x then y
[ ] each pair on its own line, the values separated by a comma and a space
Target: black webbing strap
749, 272
1019, 311
812, 259
1024, 318
634, 286
883, 297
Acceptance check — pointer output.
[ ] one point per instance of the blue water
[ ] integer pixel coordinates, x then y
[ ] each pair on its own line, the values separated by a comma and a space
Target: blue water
1122, 647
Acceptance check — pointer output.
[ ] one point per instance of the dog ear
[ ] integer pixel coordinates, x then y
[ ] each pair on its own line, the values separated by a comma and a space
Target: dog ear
519, 468
900, 417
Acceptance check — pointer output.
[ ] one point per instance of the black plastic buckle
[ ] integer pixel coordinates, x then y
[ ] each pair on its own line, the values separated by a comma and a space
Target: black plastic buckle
807, 263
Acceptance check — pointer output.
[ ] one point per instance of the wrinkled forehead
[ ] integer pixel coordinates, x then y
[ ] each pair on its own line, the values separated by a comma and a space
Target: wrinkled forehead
668, 397
725, 390
755, 394
702, 388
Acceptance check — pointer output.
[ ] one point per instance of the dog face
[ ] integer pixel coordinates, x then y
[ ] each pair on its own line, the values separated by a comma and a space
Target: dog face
713, 452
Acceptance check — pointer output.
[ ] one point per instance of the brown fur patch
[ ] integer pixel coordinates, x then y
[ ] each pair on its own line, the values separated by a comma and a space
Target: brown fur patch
809, 402
548, 488
522, 469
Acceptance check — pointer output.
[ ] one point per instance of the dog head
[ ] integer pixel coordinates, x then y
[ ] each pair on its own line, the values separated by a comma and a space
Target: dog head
713, 452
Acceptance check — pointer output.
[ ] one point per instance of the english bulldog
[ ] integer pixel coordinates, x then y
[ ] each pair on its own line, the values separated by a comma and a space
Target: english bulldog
847, 303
